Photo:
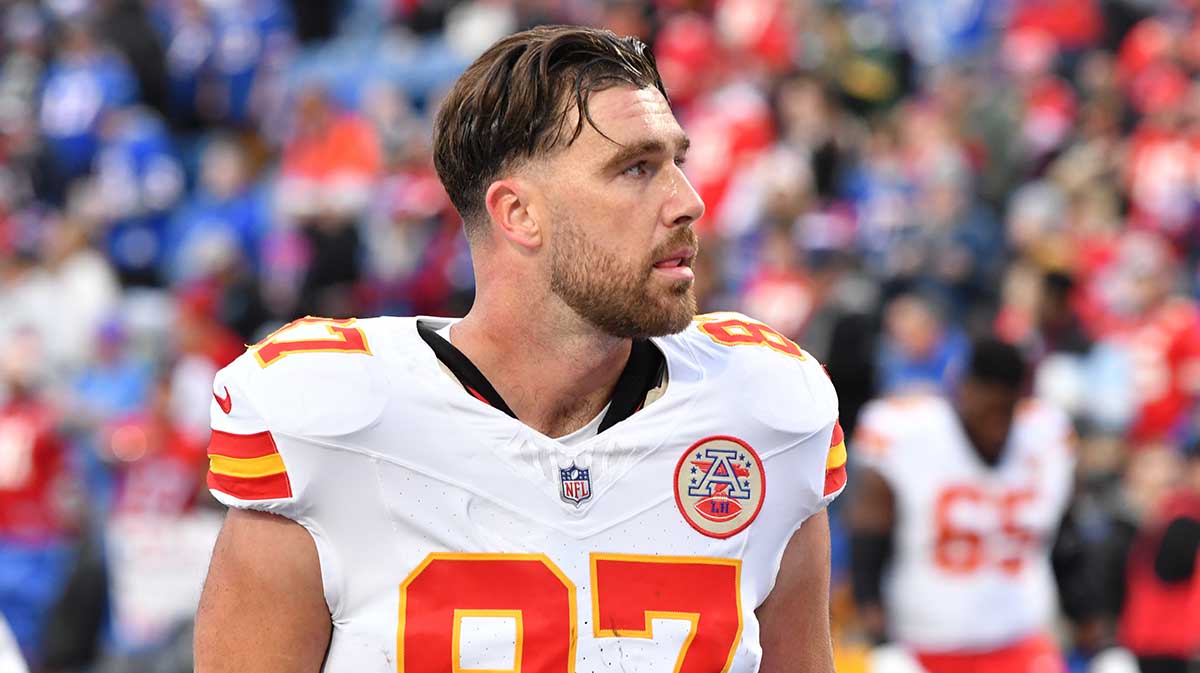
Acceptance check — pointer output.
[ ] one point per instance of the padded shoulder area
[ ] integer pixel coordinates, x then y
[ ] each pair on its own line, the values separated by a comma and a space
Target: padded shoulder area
762, 374
1046, 422
313, 377
898, 416
891, 428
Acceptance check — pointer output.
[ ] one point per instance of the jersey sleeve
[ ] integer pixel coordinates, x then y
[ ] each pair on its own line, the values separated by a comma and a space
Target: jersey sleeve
826, 458
254, 464
819, 446
248, 467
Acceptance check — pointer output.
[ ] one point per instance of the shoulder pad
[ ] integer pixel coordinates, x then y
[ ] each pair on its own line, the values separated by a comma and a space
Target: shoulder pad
1045, 420
793, 394
313, 377
886, 424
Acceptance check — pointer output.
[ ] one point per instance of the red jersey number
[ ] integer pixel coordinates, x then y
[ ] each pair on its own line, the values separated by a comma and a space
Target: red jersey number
960, 549
628, 592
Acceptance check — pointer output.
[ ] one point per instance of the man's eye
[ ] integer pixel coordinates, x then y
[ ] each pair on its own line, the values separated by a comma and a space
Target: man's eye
679, 161
637, 170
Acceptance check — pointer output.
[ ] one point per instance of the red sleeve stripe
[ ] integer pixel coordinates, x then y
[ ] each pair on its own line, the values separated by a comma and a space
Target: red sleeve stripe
835, 461
837, 449
838, 435
247, 467
259, 488
835, 479
230, 445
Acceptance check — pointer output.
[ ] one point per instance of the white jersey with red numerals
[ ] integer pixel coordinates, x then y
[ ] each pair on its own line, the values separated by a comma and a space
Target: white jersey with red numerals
971, 567
453, 537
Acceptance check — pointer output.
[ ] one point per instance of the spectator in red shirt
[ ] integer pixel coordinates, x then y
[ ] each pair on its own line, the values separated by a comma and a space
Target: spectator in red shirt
1160, 332
160, 468
1162, 580
36, 521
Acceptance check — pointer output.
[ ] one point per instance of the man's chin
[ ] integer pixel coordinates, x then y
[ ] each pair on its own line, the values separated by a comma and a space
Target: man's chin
673, 315
645, 325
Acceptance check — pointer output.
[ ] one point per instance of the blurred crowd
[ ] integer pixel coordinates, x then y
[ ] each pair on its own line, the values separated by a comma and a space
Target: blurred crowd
884, 179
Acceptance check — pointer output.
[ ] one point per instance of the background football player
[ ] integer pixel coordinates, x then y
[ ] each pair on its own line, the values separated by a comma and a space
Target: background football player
958, 507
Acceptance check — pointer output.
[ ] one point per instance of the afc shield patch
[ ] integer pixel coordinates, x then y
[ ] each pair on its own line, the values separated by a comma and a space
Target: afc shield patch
576, 485
719, 486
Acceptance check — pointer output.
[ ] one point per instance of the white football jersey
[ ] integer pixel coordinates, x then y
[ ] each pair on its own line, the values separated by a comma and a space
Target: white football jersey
971, 563
452, 537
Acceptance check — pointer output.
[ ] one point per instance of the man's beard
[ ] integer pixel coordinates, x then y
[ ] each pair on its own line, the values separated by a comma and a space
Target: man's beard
619, 298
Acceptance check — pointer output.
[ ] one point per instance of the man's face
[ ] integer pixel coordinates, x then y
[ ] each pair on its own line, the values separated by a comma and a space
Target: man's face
987, 411
619, 215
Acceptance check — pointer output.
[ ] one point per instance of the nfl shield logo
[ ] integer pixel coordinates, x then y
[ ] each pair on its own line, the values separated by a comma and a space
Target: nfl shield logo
576, 486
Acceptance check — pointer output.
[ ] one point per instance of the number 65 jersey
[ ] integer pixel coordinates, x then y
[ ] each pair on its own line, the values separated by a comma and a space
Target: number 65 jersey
971, 568
452, 537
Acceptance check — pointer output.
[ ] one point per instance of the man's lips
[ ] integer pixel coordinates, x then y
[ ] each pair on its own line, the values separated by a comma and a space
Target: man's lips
677, 264
677, 258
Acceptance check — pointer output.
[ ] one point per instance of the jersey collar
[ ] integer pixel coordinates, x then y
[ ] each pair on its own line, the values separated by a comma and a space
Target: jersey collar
643, 373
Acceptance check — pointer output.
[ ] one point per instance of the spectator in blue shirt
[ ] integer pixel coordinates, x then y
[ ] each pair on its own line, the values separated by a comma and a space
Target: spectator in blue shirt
919, 350
114, 384
140, 180
81, 85
224, 214
220, 60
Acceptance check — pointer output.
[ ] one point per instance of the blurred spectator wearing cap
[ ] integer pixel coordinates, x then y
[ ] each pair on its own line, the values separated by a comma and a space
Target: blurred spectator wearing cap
38, 512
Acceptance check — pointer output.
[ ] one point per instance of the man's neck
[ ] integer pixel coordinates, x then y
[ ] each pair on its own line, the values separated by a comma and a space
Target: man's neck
989, 459
555, 380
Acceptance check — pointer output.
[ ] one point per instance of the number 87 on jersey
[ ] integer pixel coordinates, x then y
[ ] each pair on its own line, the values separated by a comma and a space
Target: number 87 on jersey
453, 599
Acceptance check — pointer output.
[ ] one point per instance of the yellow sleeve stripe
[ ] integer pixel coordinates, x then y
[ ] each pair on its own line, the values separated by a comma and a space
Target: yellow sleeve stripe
837, 456
262, 466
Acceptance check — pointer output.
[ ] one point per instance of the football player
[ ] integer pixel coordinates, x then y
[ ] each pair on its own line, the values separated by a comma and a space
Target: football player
573, 477
958, 507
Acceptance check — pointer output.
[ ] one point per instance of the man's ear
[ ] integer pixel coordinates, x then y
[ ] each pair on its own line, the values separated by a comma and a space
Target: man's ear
508, 204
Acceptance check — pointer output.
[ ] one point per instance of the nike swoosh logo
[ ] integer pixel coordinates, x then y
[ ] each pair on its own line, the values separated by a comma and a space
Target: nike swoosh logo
226, 403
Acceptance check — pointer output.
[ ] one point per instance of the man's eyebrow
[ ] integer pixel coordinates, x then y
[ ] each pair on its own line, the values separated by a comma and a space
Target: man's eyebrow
628, 153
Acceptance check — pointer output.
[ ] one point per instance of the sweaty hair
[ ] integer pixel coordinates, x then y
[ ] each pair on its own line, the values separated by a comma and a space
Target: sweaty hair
511, 104
996, 362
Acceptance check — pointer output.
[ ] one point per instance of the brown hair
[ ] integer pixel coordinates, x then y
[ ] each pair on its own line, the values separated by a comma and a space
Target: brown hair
511, 104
